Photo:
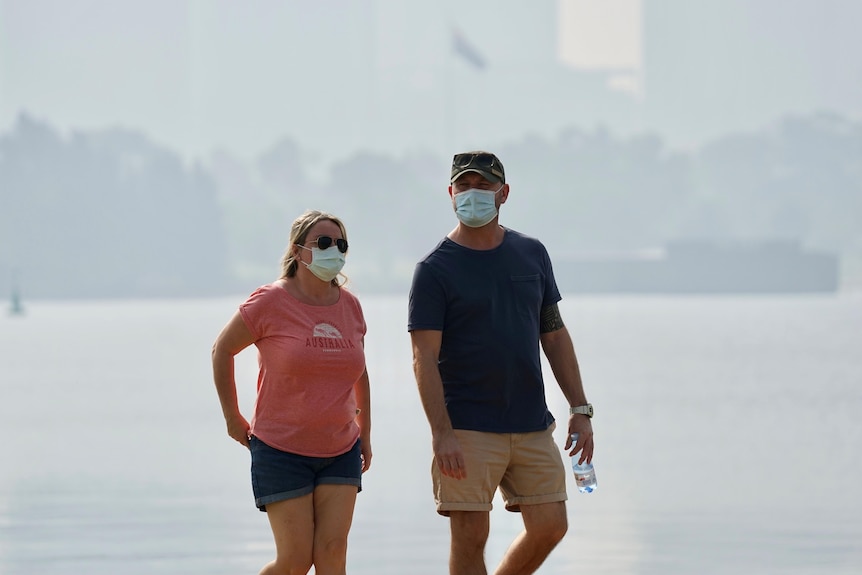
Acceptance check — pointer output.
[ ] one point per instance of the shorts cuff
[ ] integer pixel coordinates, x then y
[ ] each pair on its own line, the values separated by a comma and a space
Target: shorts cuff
445, 507
516, 502
275, 497
354, 481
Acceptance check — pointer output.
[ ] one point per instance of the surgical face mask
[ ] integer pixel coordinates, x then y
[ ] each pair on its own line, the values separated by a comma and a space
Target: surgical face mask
475, 207
325, 264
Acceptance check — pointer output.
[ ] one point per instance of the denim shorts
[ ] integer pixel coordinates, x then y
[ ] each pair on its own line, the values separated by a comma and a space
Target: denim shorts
278, 475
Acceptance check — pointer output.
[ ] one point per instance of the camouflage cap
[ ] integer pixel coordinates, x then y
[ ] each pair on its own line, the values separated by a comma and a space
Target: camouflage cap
485, 164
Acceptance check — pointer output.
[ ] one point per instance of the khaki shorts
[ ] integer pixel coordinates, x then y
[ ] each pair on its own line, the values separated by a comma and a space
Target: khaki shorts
527, 468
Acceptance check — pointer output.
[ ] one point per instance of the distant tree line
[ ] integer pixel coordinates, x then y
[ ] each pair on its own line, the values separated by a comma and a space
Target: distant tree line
105, 214
110, 214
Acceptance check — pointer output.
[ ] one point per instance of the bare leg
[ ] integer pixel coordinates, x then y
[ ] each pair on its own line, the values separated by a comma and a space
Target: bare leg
333, 515
292, 523
544, 527
469, 534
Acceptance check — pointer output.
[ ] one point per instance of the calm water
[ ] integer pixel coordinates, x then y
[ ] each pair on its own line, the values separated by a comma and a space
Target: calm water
728, 437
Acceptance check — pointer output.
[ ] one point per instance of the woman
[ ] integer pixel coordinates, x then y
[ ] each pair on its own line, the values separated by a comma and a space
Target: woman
310, 436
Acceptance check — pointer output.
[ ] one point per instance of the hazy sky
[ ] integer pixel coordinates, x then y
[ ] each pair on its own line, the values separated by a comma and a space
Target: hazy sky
596, 35
343, 75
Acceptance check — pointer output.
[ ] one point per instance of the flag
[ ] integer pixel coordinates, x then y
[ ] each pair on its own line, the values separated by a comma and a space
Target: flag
467, 51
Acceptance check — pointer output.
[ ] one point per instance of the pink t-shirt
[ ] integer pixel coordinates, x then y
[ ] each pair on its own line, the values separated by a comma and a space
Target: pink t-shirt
310, 357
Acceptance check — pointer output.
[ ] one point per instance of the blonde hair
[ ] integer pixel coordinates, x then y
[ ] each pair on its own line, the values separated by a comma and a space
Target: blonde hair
299, 234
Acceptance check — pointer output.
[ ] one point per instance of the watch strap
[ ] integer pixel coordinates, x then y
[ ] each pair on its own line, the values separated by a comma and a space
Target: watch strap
582, 410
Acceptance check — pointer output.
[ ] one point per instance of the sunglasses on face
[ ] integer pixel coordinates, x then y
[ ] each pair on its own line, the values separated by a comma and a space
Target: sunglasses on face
482, 161
325, 242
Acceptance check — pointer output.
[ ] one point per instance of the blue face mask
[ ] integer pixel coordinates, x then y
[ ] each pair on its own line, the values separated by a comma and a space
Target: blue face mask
475, 208
325, 264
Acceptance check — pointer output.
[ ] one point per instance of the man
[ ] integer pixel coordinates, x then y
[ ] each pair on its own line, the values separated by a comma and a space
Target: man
480, 303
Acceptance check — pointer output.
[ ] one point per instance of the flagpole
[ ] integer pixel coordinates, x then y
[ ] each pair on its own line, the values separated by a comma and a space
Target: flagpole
449, 97
469, 55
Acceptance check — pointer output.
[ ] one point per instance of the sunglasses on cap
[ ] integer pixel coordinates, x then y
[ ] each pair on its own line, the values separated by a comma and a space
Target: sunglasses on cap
325, 242
481, 160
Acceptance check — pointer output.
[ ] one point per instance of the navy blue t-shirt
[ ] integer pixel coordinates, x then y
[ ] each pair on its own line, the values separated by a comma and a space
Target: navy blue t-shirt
487, 304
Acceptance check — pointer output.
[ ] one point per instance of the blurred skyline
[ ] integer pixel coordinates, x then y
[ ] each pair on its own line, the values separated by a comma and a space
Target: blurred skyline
382, 75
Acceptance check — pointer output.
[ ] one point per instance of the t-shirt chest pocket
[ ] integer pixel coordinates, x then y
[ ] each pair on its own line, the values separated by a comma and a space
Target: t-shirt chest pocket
528, 287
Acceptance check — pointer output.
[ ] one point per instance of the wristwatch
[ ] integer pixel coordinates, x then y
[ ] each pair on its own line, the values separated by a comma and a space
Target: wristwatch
582, 410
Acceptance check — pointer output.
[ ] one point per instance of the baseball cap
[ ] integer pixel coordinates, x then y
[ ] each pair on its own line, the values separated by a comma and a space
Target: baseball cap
485, 164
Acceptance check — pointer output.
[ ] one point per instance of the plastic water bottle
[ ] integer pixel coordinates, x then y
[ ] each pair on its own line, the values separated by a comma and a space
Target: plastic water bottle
585, 473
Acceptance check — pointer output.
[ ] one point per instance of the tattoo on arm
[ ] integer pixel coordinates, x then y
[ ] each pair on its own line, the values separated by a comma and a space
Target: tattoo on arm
550, 319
